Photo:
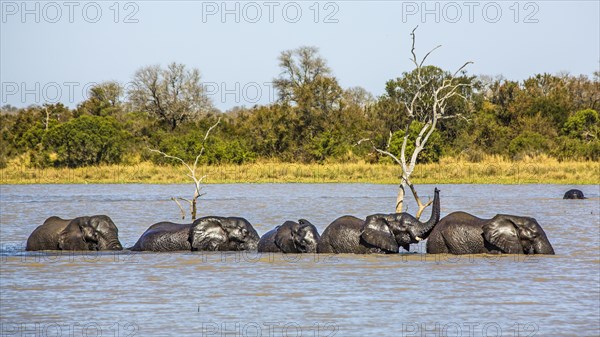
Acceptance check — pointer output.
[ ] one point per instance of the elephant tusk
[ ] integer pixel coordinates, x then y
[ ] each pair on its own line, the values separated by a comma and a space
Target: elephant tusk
418, 238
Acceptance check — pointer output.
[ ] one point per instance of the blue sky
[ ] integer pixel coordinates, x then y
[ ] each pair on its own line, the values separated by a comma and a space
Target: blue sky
76, 44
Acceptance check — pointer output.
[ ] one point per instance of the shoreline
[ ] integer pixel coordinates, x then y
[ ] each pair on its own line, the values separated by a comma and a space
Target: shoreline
447, 171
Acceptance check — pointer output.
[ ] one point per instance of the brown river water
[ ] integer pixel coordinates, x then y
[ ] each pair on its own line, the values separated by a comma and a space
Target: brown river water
249, 294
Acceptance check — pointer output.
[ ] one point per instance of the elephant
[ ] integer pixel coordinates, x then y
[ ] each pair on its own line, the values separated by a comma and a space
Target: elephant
378, 233
463, 233
211, 233
290, 237
97, 232
574, 194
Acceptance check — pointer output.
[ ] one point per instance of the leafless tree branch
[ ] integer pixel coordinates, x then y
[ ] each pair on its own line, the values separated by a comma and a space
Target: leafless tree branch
192, 174
180, 207
430, 116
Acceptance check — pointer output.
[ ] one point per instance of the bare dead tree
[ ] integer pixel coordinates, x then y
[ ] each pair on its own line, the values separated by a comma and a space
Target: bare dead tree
47, 120
192, 174
430, 116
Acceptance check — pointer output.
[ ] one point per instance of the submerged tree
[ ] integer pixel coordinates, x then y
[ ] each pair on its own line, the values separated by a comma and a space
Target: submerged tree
192, 168
425, 103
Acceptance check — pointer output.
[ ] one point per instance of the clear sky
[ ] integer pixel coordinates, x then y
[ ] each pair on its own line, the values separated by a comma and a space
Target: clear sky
55, 50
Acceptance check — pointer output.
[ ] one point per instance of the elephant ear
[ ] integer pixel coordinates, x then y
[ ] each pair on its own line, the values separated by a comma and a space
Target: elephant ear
376, 232
72, 237
502, 233
284, 238
207, 234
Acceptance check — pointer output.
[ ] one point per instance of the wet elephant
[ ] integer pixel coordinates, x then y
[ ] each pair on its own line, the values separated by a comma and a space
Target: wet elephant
290, 237
463, 233
574, 194
211, 233
96, 232
378, 233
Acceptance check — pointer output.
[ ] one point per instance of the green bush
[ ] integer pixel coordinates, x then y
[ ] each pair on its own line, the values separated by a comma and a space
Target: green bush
327, 145
86, 140
528, 143
188, 145
220, 151
583, 125
569, 148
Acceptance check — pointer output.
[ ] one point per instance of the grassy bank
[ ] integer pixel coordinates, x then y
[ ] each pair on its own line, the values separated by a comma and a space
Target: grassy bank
493, 170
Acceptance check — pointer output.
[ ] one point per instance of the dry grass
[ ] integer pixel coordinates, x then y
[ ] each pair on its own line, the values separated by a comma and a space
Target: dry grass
492, 170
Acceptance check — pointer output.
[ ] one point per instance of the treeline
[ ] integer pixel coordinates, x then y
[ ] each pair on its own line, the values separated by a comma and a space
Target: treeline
313, 120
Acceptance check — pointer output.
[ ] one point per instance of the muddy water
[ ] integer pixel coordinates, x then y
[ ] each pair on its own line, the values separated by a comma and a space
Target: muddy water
246, 294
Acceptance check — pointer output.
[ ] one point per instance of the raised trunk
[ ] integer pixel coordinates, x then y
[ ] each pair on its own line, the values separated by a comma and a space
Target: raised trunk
425, 227
194, 209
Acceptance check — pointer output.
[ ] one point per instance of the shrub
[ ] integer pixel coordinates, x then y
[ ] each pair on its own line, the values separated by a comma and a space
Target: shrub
217, 150
86, 140
528, 144
583, 125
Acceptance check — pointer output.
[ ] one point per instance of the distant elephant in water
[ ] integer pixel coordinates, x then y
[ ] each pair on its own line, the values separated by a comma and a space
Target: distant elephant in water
574, 194
96, 232
463, 233
291, 237
211, 233
379, 233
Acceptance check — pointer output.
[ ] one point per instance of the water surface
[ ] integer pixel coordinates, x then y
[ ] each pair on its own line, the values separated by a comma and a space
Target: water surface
247, 294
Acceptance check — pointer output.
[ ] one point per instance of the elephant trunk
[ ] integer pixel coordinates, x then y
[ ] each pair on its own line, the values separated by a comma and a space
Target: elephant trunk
425, 228
113, 244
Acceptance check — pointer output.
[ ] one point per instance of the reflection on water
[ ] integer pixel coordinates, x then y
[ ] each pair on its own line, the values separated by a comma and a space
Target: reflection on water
250, 294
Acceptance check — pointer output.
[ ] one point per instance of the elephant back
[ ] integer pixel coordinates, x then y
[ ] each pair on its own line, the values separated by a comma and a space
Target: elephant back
46, 236
164, 236
266, 244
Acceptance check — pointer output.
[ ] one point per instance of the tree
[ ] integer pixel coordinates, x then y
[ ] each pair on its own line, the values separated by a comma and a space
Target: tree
309, 97
86, 140
359, 97
306, 81
192, 168
427, 102
583, 125
430, 154
54, 113
173, 95
307, 84
300, 68
104, 99
528, 143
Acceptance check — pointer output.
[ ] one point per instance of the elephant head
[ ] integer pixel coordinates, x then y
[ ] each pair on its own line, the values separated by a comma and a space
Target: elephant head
222, 234
297, 237
574, 194
517, 235
96, 232
391, 231
106, 231
78, 235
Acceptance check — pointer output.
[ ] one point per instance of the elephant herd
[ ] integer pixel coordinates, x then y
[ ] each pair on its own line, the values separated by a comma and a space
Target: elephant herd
456, 233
